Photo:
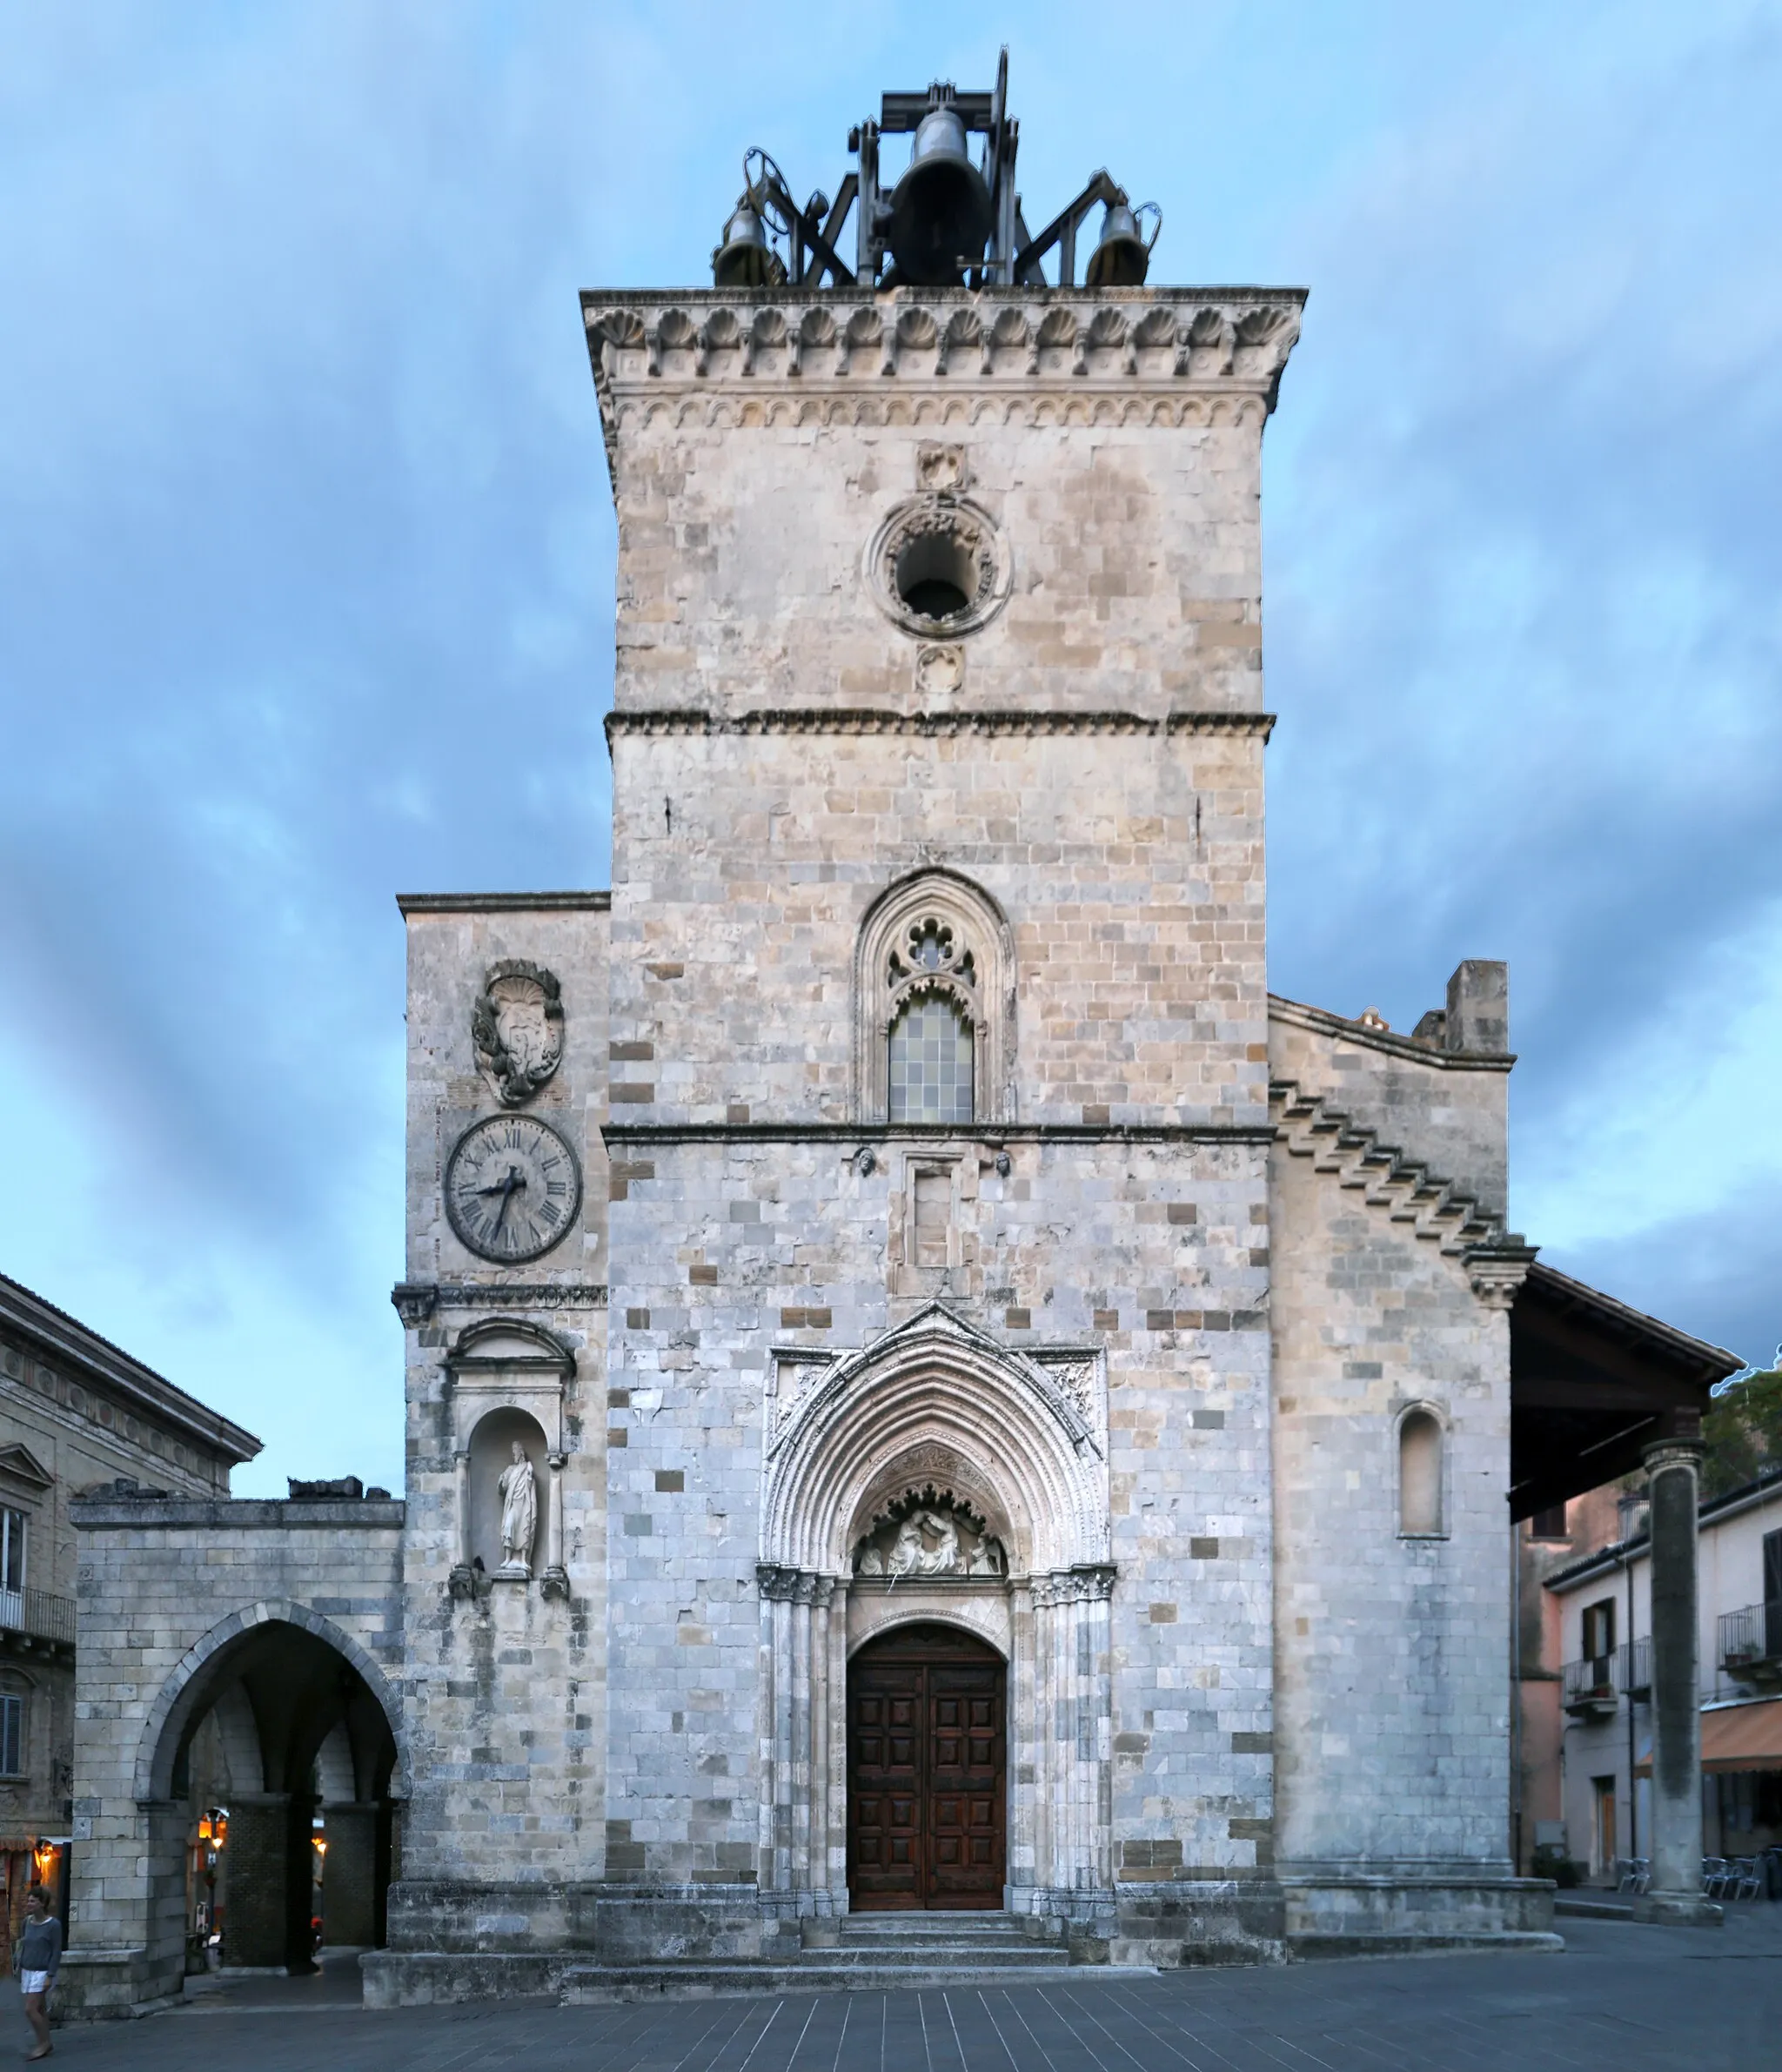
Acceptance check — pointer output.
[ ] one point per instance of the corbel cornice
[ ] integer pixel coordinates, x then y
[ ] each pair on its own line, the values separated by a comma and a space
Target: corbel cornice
864, 720
721, 359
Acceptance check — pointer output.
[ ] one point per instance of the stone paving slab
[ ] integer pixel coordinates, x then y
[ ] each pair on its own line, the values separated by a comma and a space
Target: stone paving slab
1631, 1997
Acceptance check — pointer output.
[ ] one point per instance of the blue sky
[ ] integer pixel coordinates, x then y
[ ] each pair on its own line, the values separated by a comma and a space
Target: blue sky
306, 564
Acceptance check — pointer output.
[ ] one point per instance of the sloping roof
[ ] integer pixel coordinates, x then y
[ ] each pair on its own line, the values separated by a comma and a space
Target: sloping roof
58, 1337
1654, 1339
1592, 1382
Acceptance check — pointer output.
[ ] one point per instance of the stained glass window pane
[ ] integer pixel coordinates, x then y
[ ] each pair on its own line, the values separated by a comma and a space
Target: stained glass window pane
931, 1049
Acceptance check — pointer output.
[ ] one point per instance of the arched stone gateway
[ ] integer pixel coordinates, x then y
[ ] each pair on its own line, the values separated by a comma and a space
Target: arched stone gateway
202, 1673
280, 1721
939, 1479
236, 1659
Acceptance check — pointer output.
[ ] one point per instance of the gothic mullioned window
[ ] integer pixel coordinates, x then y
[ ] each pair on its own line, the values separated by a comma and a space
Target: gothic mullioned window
934, 991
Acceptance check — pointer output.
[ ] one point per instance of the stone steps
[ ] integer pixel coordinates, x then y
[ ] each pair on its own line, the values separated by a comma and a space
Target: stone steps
858, 1953
913, 1930
1314, 1947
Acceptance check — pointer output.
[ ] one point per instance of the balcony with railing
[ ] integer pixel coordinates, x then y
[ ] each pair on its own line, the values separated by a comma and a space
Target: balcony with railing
36, 1618
1750, 1643
1590, 1687
1633, 1668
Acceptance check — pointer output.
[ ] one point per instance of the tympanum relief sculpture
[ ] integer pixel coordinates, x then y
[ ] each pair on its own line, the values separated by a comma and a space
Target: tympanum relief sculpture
516, 1027
924, 1534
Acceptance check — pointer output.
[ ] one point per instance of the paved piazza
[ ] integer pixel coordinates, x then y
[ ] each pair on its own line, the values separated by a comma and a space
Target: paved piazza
1619, 1995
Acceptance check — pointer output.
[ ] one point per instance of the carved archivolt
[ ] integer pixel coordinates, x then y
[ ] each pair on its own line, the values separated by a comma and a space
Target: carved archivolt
936, 932
1020, 1452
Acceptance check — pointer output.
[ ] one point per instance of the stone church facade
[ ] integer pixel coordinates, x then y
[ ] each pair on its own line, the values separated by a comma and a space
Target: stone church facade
927, 1388
951, 1185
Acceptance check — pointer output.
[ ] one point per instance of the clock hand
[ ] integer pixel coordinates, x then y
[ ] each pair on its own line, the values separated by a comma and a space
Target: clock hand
515, 1179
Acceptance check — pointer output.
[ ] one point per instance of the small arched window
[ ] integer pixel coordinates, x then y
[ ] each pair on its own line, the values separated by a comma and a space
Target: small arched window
1420, 1476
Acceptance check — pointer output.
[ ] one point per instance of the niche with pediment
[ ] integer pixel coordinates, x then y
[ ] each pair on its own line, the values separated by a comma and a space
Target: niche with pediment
507, 1379
506, 1364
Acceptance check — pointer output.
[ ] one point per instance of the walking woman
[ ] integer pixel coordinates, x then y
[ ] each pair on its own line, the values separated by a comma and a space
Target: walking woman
37, 1960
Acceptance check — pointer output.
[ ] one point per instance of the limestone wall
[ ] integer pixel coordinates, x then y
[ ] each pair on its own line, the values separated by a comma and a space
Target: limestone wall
1392, 1681
1119, 460
728, 1249
505, 1683
1128, 865
1445, 1108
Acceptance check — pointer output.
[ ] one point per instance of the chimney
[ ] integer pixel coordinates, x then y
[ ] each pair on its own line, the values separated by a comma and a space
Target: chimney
1478, 1008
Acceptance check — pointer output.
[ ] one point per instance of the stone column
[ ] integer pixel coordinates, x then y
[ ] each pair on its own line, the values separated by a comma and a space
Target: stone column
836, 1785
350, 1876
820, 1651
780, 1611
461, 1468
554, 1576
1101, 1707
1045, 1793
1675, 1849
798, 1778
256, 1867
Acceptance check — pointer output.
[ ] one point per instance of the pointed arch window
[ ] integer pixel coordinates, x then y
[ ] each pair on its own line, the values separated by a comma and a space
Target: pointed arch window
935, 994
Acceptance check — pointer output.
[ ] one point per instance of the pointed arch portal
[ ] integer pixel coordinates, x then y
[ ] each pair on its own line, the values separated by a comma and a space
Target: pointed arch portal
938, 1416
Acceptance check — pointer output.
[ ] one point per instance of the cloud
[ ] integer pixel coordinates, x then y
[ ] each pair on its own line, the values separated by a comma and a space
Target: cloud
1524, 630
307, 556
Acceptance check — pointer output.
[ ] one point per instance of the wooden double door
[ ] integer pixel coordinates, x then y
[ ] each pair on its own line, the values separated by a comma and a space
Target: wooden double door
926, 1756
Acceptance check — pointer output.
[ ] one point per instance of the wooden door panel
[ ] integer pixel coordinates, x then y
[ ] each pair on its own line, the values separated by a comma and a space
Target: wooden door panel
926, 1761
884, 1786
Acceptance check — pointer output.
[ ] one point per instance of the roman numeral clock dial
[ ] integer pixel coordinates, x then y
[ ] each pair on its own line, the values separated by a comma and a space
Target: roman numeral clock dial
512, 1189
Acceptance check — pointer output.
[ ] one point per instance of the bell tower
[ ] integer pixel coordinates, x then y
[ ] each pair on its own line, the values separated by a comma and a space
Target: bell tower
939, 1109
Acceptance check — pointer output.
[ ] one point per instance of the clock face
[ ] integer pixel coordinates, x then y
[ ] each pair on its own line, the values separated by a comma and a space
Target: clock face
513, 1188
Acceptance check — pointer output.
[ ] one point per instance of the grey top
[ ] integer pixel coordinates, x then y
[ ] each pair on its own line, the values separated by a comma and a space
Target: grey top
40, 1947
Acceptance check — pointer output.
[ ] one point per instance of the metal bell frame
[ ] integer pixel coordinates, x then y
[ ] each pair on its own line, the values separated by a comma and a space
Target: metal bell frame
943, 200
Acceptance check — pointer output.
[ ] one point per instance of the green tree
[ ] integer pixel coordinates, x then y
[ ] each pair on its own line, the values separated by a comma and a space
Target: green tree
1743, 1432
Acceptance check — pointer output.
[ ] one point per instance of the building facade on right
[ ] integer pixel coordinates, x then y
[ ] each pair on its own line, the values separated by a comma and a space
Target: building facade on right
1597, 1768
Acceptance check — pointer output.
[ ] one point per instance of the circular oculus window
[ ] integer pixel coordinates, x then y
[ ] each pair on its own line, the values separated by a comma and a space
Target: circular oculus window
938, 567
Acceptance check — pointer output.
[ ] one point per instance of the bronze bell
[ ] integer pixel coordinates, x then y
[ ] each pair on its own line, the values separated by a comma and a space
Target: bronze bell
941, 211
1122, 259
744, 259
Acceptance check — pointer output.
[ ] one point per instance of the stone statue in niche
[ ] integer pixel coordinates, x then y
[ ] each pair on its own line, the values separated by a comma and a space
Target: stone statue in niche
519, 1515
924, 1534
516, 1027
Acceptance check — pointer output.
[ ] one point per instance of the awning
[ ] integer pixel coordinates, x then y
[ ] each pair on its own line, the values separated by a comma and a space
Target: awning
1734, 1737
